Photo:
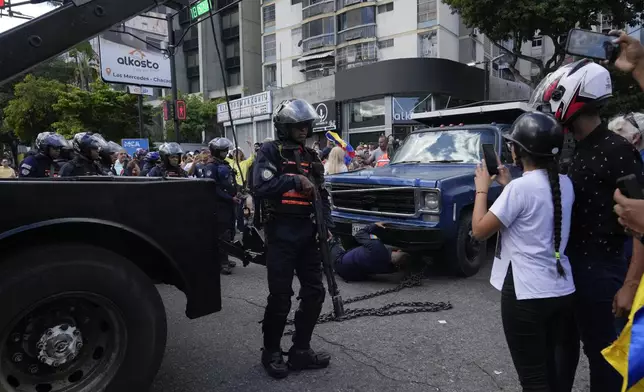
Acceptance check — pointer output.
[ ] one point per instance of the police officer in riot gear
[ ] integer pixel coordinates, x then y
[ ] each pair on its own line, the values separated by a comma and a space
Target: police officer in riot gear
87, 146
284, 177
170, 162
226, 198
41, 164
108, 156
150, 161
66, 155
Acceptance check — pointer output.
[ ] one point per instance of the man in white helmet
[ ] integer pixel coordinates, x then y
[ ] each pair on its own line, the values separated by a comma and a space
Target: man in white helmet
605, 284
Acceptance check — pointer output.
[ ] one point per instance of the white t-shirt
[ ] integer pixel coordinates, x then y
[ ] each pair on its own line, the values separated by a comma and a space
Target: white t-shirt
526, 239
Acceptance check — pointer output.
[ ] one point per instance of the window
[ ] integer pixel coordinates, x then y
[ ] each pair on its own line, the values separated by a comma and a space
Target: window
293, 2
367, 113
192, 60
152, 44
386, 43
426, 12
233, 78
194, 32
428, 45
269, 47
296, 38
232, 50
194, 85
318, 27
537, 42
357, 17
230, 20
270, 75
269, 15
385, 7
357, 55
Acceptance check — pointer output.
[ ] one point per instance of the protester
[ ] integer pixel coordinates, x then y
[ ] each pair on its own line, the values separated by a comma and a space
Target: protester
379, 157
604, 281
531, 271
631, 128
121, 163
6, 171
335, 163
372, 257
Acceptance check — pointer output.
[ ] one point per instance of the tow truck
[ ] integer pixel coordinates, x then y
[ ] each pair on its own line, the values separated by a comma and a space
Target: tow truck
79, 257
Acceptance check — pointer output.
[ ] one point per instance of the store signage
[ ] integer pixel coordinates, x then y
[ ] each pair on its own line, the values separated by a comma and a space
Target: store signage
125, 64
327, 116
252, 106
403, 108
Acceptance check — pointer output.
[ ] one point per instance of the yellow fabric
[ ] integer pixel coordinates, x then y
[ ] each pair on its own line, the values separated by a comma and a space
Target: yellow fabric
617, 353
244, 165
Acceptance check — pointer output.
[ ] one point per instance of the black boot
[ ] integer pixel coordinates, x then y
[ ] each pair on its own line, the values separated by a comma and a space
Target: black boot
274, 363
299, 359
232, 263
225, 270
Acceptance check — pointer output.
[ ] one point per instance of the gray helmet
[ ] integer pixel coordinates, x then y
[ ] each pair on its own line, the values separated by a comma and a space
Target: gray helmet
293, 112
219, 144
168, 149
83, 142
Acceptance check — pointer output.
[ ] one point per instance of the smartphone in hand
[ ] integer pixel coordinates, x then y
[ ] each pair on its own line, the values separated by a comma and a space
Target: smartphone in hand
589, 44
630, 187
489, 154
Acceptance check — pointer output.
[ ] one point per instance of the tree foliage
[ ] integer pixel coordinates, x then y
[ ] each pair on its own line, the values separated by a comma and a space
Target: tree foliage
112, 113
520, 20
31, 110
627, 95
201, 116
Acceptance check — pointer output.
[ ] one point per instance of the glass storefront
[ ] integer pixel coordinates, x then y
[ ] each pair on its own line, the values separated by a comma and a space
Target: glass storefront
355, 139
367, 113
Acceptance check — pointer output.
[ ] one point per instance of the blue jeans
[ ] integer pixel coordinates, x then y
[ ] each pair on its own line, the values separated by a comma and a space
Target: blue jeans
597, 281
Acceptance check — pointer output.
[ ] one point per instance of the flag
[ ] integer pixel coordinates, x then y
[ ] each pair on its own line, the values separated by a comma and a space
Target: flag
626, 355
348, 149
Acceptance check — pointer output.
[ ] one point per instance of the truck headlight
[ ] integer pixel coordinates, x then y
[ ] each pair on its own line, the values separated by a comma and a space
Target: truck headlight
431, 201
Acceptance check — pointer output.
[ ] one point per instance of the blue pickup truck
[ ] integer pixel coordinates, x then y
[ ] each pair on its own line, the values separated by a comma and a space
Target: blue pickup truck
425, 195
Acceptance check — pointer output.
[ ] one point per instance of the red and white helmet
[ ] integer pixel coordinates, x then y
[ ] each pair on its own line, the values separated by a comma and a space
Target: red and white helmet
572, 88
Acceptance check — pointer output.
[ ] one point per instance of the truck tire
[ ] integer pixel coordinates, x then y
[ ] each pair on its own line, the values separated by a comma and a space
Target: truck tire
78, 318
464, 255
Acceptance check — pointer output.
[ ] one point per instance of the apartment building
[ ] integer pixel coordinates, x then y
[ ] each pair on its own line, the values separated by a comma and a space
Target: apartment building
369, 64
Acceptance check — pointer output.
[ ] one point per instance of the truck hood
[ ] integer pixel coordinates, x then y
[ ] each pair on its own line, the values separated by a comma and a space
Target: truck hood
412, 174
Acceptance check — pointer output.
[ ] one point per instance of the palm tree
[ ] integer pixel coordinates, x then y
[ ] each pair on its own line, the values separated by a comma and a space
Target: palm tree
84, 57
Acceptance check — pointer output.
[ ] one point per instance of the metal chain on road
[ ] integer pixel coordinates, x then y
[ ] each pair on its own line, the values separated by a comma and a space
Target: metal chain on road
386, 310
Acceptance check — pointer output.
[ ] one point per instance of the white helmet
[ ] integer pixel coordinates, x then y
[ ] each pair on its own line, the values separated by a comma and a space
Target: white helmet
571, 88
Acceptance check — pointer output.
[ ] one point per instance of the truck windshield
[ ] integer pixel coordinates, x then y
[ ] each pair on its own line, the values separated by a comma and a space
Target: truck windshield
453, 145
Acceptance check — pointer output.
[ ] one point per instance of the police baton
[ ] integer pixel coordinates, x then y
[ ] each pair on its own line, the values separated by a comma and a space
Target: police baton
323, 236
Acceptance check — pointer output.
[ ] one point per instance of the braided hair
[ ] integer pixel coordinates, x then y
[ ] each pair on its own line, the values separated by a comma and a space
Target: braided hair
551, 164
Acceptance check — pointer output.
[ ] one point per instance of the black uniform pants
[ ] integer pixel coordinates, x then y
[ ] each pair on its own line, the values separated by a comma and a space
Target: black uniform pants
225, 228
292, 246
542, 338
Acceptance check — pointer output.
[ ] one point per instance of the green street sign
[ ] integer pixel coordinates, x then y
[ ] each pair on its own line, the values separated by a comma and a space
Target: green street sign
199, 9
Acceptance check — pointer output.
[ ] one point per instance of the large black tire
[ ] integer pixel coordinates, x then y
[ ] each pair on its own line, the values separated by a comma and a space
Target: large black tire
463, 255
97, 292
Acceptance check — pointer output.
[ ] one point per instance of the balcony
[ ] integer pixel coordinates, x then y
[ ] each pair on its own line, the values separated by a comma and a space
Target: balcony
323, 7
359, 32
319, 41
347, 3
230, 33
192, 72
190, 44
233, 62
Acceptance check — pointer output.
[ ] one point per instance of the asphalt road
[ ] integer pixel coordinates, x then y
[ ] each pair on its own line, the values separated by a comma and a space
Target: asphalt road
458, 350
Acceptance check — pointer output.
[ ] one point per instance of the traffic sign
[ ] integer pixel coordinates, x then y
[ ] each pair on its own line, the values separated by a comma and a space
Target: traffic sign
198, 9
139, 90
181, 110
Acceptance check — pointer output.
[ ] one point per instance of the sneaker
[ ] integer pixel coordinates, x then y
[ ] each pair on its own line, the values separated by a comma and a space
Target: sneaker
299, 359
274, 364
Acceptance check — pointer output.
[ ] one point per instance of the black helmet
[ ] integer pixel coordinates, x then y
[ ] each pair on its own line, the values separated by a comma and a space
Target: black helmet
293, 112
167, 150
44, 140
84, 142
538, 134
218, 145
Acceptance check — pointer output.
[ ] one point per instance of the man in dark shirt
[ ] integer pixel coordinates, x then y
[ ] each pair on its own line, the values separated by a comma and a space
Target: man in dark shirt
370, 258
603, 279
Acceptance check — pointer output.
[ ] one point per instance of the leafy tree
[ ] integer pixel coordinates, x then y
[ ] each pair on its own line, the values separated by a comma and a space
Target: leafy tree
112, 113
31, 110
627, 95
520, 20
200, 116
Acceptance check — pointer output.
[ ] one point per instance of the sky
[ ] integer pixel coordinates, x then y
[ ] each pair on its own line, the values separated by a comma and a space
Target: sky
7, 23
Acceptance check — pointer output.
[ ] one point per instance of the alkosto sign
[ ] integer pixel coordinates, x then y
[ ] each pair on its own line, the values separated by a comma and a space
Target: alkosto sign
124, 64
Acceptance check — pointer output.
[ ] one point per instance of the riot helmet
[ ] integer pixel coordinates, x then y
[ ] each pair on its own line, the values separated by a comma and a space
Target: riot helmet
89, 144
109, 153
152, 157
572, 89
171, 153
50, 144
219, 147
140, 153
535, 134
292, 117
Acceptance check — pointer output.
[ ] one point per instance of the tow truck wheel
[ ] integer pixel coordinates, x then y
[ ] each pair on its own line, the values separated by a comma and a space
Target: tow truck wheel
77, 318
465, 255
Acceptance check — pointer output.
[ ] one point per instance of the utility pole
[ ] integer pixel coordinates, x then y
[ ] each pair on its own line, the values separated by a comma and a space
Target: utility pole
141, 114
486, 81
173, 75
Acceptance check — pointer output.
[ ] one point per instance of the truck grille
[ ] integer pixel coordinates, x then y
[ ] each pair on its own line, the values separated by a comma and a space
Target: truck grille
368, 199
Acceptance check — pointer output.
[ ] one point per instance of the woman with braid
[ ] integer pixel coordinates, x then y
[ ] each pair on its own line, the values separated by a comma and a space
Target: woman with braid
532, 218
